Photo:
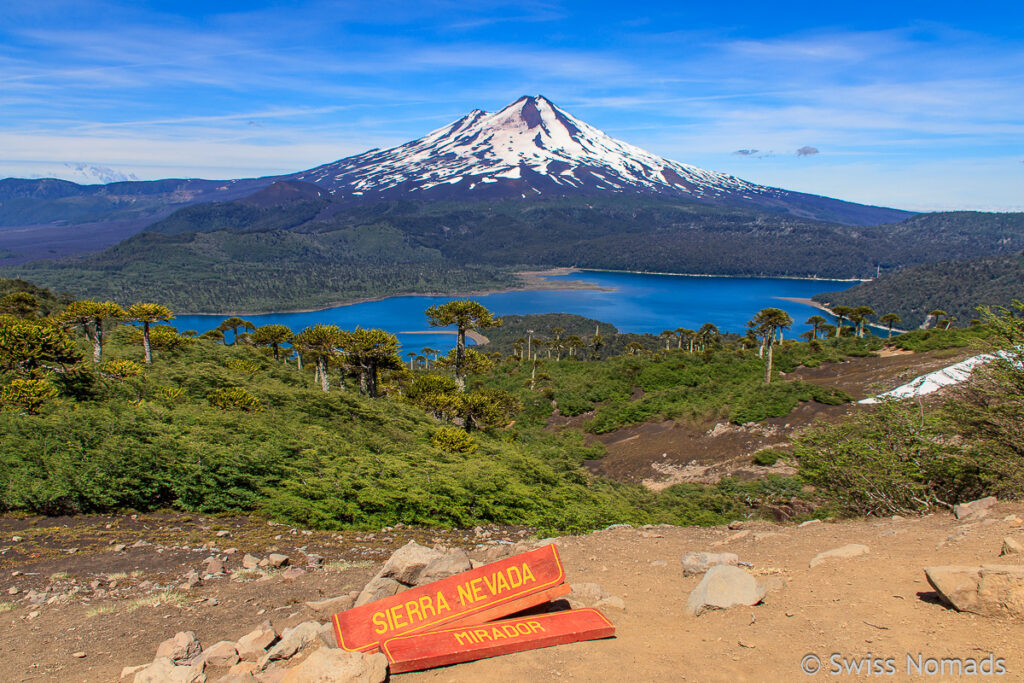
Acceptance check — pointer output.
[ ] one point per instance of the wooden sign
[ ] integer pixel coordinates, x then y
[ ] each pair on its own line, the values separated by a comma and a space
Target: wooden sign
492, 591
468, 643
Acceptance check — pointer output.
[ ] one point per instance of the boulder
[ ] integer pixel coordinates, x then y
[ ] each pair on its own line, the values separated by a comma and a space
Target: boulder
698, 563
991, 590
841, 553
450, 564
253, 645
975, 506
183, 647
327, 636
293, 640
292, 573
214, 566
407, 563
250, 561
163, 670
277, 560
722, 587
378, 587
339, 666
332, 606
223, 653
1011, 546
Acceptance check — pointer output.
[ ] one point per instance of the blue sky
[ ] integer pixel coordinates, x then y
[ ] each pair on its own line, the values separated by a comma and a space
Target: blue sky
916, 105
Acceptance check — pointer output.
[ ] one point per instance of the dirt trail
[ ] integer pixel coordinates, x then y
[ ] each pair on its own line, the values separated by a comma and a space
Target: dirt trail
878, 603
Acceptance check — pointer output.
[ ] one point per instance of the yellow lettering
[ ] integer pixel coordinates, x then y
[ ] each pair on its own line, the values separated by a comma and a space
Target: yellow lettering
460, 636
523, 629
527, 574
502, 583
477, 591
535, 626
391, 622
481, 634
465, 594
513, 632
489, 580
411, 608
514, 577
378, 620
442, 604
397, 617
427, 606
496, 633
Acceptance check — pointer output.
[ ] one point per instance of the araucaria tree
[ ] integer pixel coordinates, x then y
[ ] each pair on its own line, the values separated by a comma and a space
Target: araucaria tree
767, 325
465, 315
148, 314
272, 336
890, 319
321, 343
234, 323
91, 316
841, 313
370, 351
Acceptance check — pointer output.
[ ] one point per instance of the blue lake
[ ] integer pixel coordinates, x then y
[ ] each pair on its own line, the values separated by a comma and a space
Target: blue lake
637, 302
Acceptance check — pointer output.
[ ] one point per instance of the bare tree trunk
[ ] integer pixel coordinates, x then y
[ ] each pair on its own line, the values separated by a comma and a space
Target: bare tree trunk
145, 343
768, 366
97, 341
325, 381
460, 359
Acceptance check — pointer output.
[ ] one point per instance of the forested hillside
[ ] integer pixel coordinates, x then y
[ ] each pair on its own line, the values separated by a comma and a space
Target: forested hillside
309, 252
956, 287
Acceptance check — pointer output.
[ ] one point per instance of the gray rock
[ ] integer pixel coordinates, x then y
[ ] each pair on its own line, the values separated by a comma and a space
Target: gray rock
327, 636
450, 564
1011, 546
339, 666
314, 560
277, 560
378, 588
722, 587
586, 594
183, 647
292, 573
991, 590
293, 640
975, 506
612, 601
698, 563
250, 561
215, 566
841, 553
407, 563
163, 670
223, 653
332, 606
253, 645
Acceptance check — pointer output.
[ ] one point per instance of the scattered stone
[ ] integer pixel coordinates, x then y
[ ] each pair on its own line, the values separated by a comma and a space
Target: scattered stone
332, 606
377, 588
339, 666
735, 525
659, 563
183, 647
841, 553
698, 563
244, 669
810, 522
991, 590
293, 640
140, 544
250, 562
13, 590
1014, 520
145, 585
408, 562
314, 560
192, 580
16, 539
277, 560
735, 537
292, 573
211, 602
1011, 546
722, 587
119, 547
450, 564
223, 653
78, 655
586, 594
613, 601
974, 507
163, 670
253, 645
222, 533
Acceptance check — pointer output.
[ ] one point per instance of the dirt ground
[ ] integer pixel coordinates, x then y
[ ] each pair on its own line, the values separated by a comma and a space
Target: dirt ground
664, 453
876, 605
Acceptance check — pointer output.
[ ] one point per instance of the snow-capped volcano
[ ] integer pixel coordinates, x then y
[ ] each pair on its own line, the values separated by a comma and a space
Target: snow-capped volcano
529, 148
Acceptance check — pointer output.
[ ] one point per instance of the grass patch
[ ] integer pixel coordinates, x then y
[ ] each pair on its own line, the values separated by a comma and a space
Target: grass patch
7, 606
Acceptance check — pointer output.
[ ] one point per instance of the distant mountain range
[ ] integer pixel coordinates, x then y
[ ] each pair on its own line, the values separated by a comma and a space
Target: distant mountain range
459, 209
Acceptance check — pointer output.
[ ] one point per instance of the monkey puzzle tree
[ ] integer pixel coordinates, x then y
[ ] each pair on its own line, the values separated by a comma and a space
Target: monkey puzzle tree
937, 314
20, 304
816, 322
766, 326
320, 343
92, 314
465, 315
861, 315
272, 336
148, 314
234, 323
370, 351
30, 349
890, 319
841, 313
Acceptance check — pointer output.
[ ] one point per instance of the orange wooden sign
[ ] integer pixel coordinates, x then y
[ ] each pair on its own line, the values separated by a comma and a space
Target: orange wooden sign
496, 589
468, 643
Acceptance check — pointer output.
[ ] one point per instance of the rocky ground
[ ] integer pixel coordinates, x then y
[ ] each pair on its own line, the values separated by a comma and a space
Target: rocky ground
84, 615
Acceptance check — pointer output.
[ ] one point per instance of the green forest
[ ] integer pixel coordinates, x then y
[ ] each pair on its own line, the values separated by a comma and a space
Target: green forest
105, 408
310, 252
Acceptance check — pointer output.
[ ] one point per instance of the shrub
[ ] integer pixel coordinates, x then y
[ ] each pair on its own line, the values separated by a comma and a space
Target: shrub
453, 440
767, 457
27, 394
121, 369
234, 398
